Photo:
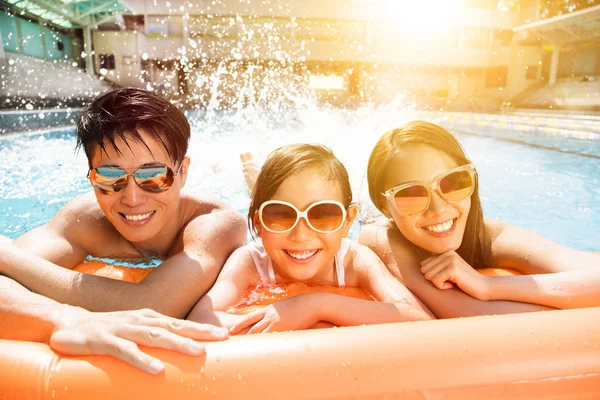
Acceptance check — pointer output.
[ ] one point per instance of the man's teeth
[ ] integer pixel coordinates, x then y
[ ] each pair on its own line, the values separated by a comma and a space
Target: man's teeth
139, 217
443, 227
302, 255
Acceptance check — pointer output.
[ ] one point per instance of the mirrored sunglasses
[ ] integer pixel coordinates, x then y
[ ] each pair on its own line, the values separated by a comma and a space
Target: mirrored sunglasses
154, 179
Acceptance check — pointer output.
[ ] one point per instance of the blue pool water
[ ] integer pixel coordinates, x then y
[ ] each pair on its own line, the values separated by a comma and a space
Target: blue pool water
523, 181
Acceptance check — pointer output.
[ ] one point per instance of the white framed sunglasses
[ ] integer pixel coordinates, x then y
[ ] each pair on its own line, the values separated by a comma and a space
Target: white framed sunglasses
413, 198
326, 216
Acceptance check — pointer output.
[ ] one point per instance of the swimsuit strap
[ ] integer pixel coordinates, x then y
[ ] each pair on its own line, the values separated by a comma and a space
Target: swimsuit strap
339, 262
263, 263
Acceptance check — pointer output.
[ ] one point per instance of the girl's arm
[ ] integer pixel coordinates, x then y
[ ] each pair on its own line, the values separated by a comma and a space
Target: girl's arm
404, 262
561, 277
237, 275
395, 303
376, 279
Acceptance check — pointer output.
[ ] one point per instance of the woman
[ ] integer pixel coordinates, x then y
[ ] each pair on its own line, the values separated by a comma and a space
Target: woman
435, 236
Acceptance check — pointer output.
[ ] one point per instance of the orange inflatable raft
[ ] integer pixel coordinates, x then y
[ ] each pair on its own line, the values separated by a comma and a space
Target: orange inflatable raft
544, 355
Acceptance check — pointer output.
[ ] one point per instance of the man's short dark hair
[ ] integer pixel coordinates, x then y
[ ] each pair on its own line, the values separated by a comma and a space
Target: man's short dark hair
122, 112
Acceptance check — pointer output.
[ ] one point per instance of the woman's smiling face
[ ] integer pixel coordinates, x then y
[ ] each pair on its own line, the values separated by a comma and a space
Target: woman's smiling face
441, 227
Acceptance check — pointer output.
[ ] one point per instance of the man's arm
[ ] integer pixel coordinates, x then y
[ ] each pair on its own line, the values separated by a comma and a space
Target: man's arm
172, 289
73, 331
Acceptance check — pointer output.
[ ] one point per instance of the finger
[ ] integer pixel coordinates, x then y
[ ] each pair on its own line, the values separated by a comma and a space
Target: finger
441, 278
431, 262
189, 329
129, 352
436, 269
70, 344
161, 338
259, 327
247, 322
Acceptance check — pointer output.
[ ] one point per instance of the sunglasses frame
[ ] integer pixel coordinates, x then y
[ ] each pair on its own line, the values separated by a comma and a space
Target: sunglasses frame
126, 176
433, 185
302, 214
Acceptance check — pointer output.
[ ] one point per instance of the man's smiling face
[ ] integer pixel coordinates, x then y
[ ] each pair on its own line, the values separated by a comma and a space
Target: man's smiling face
139, 216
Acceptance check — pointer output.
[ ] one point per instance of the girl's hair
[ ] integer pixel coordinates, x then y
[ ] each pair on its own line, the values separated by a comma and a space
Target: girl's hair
290, 160
421, 132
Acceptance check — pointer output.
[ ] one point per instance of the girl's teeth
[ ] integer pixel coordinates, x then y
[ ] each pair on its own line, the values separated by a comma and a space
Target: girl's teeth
139, 217
302, 255
443, 227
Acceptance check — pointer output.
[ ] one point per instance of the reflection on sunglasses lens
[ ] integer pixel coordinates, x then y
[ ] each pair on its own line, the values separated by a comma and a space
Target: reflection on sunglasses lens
326, 217
412, 200
278, 217
151, 179
456, 186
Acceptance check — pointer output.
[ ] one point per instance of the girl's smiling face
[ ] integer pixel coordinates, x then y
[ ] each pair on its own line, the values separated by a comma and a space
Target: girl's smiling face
441, 227
303, 254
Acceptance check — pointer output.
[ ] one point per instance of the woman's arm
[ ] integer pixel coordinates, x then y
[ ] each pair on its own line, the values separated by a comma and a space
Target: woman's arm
237, 275
404, 262
560, 277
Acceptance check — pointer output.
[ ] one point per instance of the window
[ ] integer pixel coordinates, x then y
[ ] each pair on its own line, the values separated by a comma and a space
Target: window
107, 61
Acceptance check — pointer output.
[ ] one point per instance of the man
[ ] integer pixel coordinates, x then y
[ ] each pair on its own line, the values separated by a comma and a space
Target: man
136, 144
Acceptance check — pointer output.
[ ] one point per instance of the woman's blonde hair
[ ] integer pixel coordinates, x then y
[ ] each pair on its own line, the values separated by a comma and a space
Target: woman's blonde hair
426, 133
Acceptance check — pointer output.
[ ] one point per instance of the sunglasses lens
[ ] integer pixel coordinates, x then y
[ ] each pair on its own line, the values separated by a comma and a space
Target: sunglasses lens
457, 186
326, 217
108, 180
154, 179
412, 200
278, 217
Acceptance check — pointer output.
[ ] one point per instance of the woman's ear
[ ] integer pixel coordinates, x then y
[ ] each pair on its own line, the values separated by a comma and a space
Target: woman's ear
350, 217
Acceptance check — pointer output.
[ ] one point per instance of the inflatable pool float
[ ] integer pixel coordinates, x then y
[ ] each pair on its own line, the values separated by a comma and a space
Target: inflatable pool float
542, 355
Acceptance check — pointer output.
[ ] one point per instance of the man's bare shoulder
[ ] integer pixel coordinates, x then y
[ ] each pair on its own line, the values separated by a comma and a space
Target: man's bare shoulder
208, 217
81, 221
81, 210
195, 205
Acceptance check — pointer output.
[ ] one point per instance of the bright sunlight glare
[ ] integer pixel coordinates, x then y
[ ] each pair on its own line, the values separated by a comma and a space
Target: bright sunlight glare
426, 18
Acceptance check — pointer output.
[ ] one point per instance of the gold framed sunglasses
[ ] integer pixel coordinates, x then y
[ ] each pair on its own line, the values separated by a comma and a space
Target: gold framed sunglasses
413, 198
151, 178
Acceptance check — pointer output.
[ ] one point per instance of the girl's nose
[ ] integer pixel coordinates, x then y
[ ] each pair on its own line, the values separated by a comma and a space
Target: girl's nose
302, 232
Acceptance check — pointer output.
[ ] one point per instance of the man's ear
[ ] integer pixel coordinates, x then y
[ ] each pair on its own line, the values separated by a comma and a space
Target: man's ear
350, 217
185, 165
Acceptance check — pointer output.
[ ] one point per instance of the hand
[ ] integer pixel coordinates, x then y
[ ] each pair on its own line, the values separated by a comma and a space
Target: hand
445, 269
79, 332
291, 314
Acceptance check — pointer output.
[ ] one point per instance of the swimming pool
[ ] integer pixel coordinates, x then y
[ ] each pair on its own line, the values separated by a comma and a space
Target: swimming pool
523, 180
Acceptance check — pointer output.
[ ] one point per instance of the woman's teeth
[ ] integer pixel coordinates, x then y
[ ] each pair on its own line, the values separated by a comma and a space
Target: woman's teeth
301, 255
139, 217
439, 228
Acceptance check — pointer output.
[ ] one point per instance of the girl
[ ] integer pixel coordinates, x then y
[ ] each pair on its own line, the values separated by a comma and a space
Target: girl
301, 211
436, 236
